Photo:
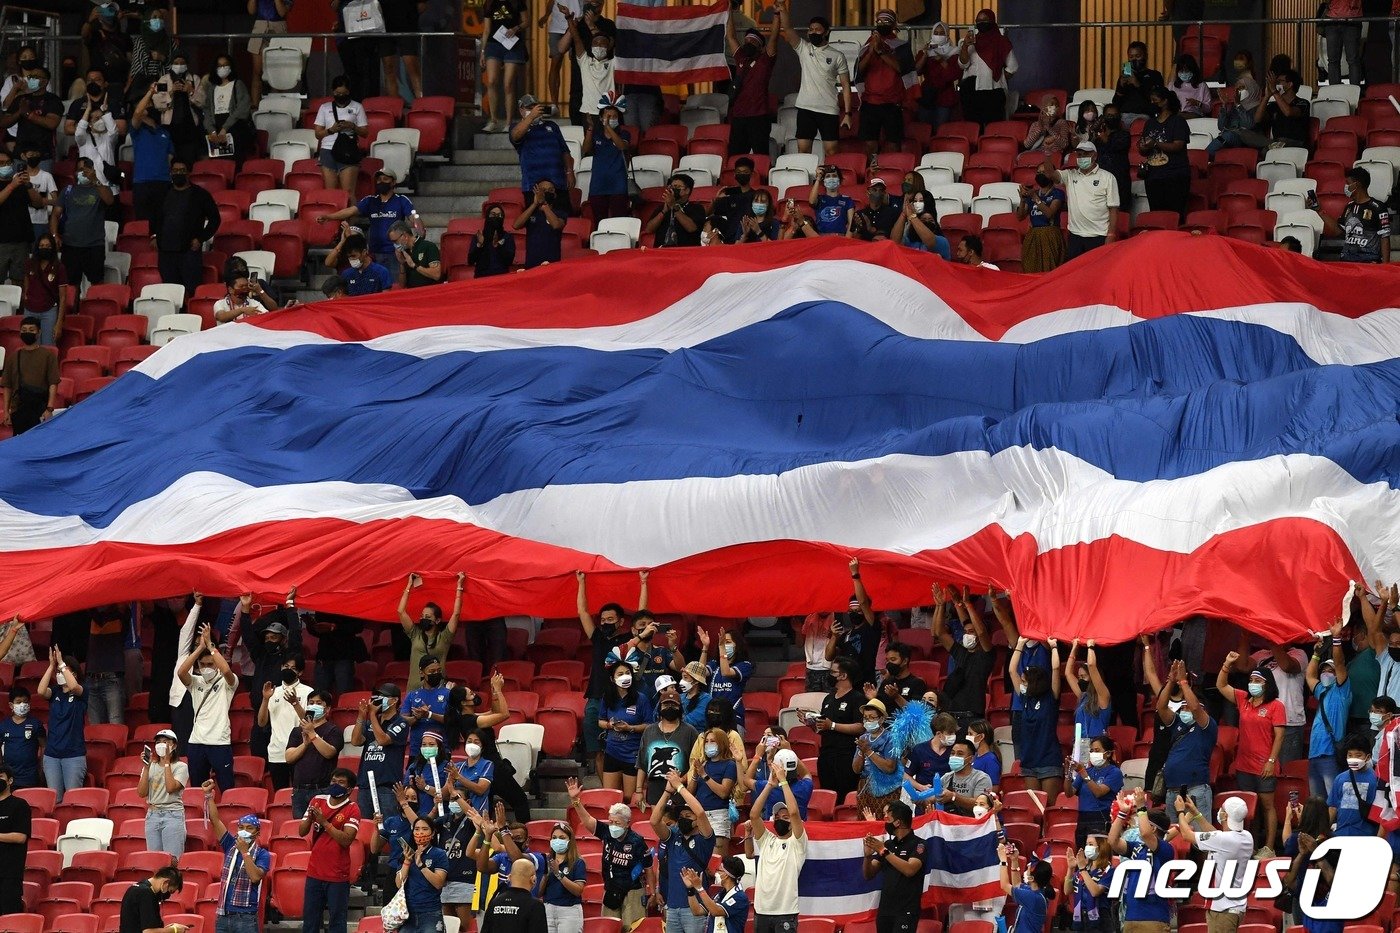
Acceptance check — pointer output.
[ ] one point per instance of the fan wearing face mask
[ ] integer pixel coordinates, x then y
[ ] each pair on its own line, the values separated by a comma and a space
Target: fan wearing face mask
626, 857
1330, 684
211, 684
246, 861
312, 750
1038, 688
781, 852
164, 778
1096, 782
939, 74
1086, 886
281, 713
1193, 735
22, 738
970, 653
624, 715
963, 784
332, 822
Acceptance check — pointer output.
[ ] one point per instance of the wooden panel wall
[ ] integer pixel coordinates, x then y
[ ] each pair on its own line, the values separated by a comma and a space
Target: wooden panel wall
1104, 49
1297, 42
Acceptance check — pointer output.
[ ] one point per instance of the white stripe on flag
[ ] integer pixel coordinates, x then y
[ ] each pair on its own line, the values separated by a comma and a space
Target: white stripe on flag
670, 27
837, 906
938, 878
667, 65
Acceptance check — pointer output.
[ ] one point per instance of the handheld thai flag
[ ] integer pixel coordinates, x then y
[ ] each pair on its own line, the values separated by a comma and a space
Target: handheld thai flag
671, 44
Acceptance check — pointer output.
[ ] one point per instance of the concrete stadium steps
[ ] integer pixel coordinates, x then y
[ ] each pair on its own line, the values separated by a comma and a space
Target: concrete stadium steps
459, 188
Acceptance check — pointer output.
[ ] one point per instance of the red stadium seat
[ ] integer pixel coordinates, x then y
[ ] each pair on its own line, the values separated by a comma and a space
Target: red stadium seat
432, 130
140, 865
82, 802
41, 800
43, 833
26, 923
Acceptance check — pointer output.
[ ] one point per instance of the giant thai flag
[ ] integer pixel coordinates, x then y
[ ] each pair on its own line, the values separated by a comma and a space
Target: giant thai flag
671, 44
960, 863
1170, 425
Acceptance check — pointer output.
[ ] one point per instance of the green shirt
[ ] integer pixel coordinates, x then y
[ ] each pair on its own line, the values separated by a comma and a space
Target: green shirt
1364, 675
424, 253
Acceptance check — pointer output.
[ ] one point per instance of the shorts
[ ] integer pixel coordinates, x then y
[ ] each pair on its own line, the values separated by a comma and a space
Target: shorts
878, 119
327, 160
1255, 784
262, 27
810, 124
1043, 774
515, 55
613, 765
458, 892
719, 822
554, 38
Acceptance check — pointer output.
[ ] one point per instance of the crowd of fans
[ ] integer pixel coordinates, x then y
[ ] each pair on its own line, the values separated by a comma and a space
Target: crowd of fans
1087, 759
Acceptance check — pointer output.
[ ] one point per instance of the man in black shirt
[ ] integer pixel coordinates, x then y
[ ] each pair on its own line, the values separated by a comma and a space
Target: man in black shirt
610, 632
900, 862
15, 821
1282, 111
965, 689
515, 909
141, 903
857, 635
736, 202
1136, 82
898, 686
679, 221
188, 218
838, 724
101, 99
35, 112
17, 196
1113, 142
1364, 224
875, 221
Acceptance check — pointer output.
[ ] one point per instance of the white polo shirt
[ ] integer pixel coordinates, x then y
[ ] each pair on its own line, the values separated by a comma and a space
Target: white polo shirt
821, 71
1090, 196
780, 862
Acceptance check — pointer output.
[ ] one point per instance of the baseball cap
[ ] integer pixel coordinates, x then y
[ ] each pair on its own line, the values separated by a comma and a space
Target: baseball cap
167, 734
1235, 812
877, 180
1086, 146
276, 628
527, 101
664, 681
755, 33
786, 758
388, 173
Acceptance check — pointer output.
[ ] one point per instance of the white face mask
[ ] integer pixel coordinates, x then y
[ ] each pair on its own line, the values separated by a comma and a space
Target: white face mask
1091, 852
600, 52
21, 709
969, 641
979, 811
623, 680
179, 69
224, 71
162, 749
940, 42
356, 263
1356, 764
473, 750
1096, 759
62, 681
687, 686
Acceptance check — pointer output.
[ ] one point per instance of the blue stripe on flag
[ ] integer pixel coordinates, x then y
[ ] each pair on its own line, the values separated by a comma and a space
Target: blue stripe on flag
821, 382
640, 44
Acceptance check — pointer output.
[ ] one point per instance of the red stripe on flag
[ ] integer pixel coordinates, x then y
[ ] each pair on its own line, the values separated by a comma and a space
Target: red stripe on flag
693, 76
1124, 588
658, 13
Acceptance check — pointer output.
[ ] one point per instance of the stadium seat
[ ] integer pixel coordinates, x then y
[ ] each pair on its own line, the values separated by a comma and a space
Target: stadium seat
96, 867
26, 923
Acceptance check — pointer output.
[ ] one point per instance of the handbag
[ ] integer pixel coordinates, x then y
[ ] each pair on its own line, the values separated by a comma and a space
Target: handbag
345, 150
363, 16
395, 913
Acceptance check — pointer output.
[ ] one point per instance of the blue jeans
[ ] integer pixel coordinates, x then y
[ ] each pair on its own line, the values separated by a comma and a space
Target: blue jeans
1321, 770
592, 739
165, 831
106, 702
681, 920
1200, 795
325, 895
47, 320
301, 799
60, 774
424, 922
236, 923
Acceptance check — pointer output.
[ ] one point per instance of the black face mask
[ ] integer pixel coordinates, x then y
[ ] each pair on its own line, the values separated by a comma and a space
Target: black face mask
289, 677
384, 187
817, 38
885, 30
889, 828
179, 179
1395, 654
341, 99
1083, 686
892, 669
743, 178
1042, 181
32, 161
45, 254
434, 680
670, 713
495, 222
1112, 120
28, 337
714, 722
686, 825
782, 827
